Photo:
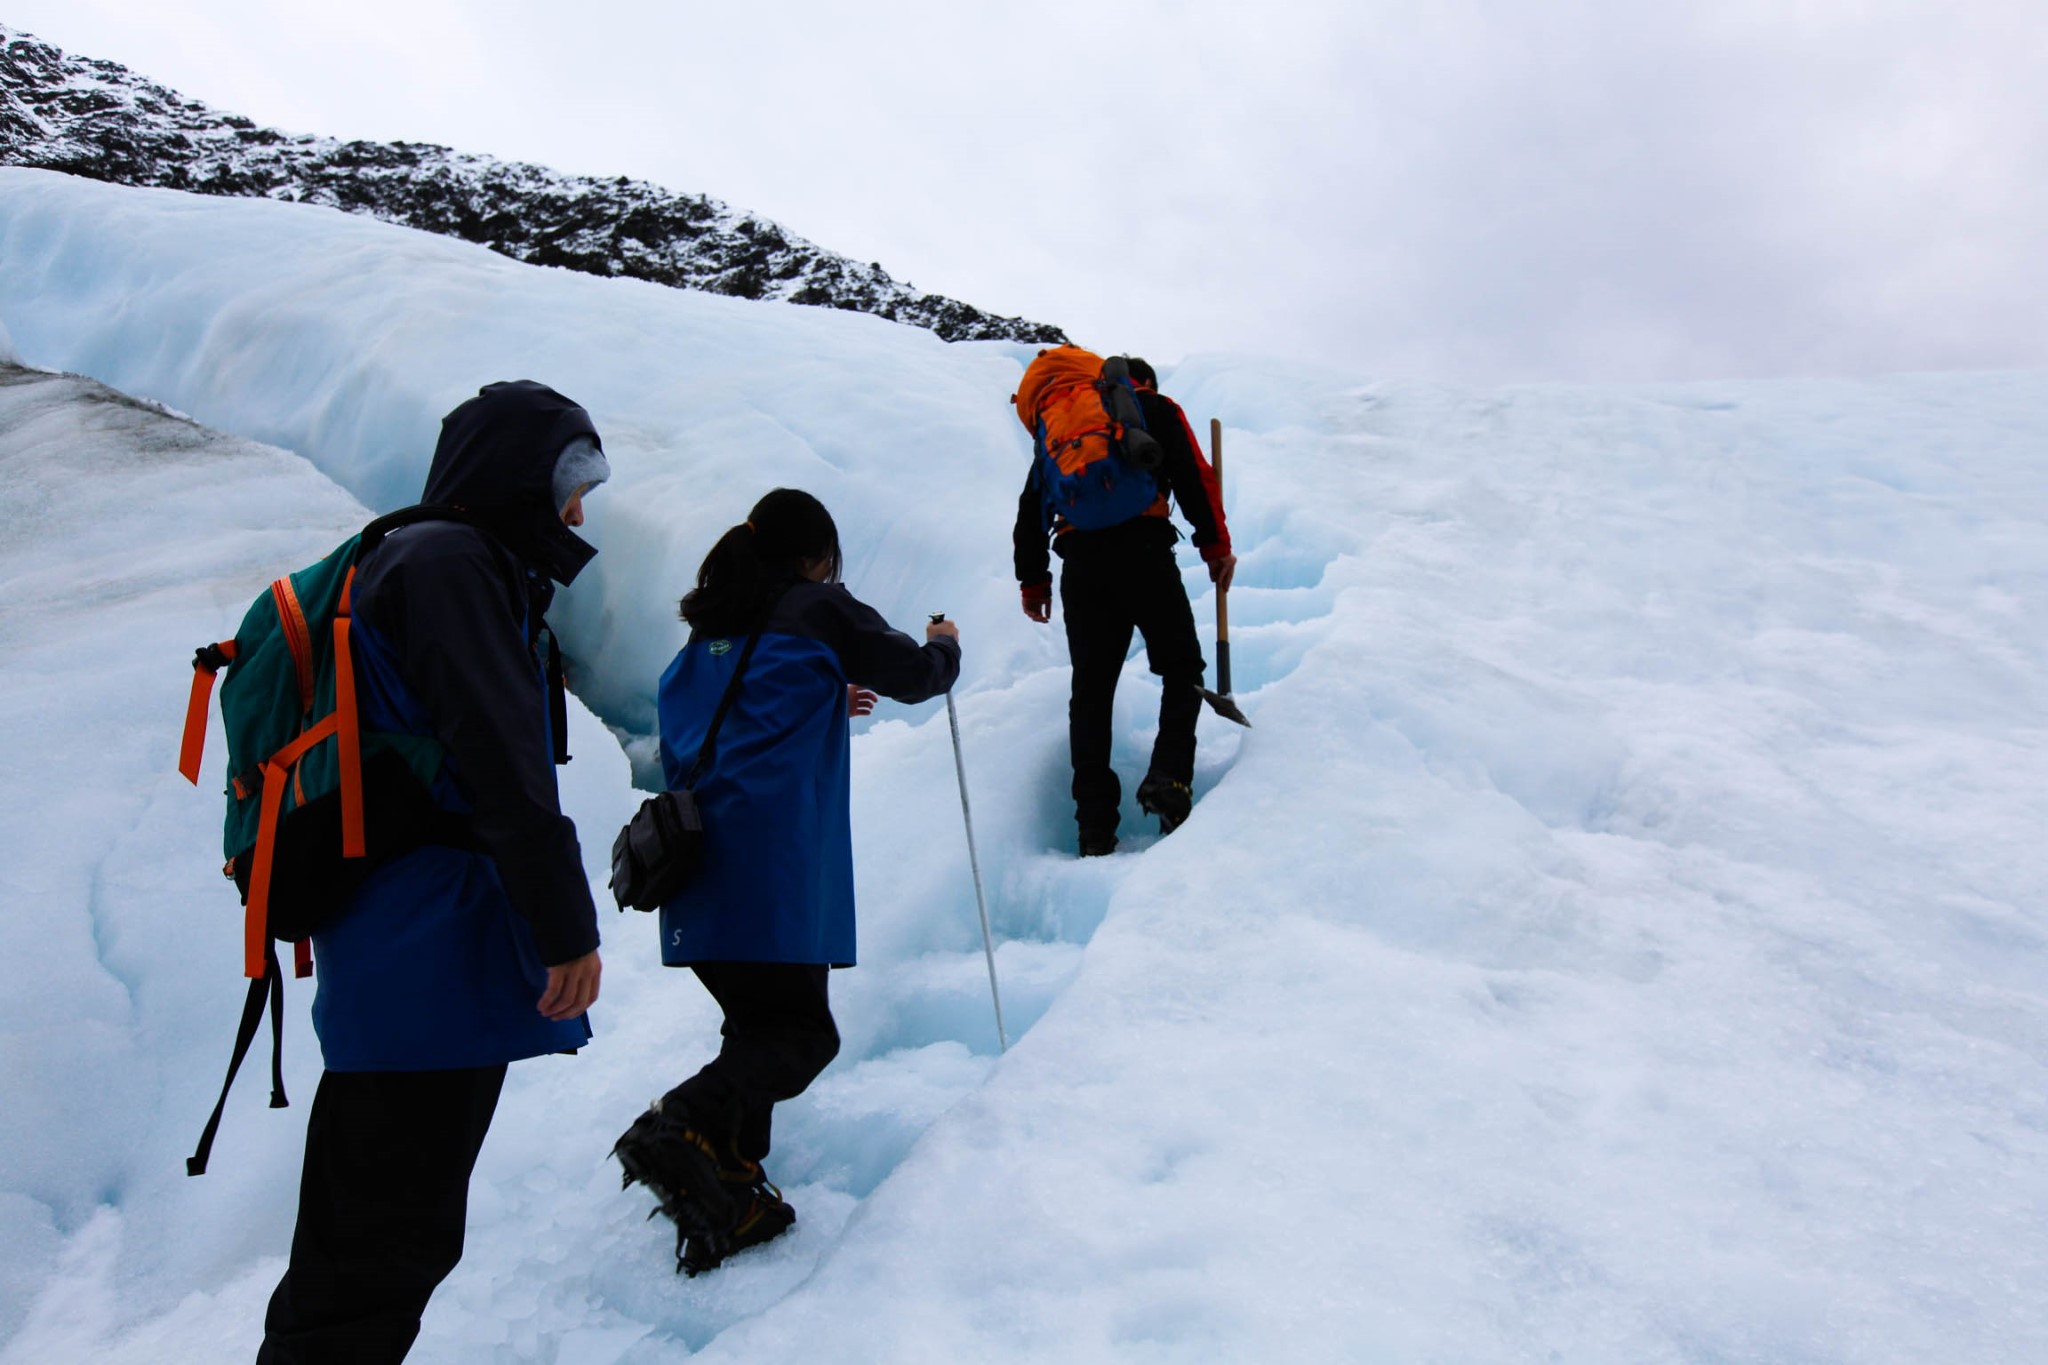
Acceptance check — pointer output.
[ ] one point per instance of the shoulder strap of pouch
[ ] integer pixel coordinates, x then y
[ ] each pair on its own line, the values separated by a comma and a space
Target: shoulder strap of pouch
732, 690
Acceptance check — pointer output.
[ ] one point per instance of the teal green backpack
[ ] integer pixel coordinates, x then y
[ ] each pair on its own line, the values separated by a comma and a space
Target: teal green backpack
314, 802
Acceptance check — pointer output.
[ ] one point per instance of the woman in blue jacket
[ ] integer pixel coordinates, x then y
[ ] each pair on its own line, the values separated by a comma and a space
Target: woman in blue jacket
771, 911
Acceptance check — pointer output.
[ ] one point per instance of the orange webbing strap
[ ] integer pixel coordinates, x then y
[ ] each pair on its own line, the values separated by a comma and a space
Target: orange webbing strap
256, 922
348, 740
298, 636
204, 670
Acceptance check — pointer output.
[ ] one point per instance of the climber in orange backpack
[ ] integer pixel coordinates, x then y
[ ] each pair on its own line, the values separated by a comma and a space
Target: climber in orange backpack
1108, 448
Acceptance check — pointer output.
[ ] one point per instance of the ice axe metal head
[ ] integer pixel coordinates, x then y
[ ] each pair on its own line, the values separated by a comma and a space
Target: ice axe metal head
1222, 705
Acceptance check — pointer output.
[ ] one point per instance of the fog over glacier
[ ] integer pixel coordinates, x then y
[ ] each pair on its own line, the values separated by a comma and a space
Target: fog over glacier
1620, 940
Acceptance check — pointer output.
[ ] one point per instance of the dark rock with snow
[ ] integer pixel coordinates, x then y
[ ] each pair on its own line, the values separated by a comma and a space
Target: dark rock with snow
100, 120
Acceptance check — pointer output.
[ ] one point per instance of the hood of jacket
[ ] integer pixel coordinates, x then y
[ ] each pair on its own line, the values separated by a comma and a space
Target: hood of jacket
496, 461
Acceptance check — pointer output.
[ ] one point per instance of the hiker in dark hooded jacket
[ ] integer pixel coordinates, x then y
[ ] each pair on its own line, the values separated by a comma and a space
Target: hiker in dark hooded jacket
771, 910
473, 950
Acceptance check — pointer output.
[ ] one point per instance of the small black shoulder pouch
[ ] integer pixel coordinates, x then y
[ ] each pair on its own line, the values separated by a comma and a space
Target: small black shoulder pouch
661, 848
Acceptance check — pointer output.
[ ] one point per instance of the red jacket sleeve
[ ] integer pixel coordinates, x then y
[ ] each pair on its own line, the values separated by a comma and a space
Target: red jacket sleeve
1188, 474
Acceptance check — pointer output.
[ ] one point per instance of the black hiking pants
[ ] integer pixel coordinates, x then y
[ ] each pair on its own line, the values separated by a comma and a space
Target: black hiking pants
1111, 583
778, 1035
382, 1204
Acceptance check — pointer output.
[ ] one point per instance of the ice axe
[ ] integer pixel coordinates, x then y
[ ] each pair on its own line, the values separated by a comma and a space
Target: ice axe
1220, 701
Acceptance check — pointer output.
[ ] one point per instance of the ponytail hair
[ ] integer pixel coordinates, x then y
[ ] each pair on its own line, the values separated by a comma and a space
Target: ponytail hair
753, 561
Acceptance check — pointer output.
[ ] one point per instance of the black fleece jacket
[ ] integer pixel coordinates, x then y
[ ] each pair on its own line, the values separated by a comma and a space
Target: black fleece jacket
461, 603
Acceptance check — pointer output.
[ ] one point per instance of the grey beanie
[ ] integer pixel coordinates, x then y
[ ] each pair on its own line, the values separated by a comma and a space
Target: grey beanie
580, 465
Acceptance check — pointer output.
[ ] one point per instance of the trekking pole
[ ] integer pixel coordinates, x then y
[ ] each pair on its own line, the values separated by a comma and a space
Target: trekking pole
1221, 700
988, 943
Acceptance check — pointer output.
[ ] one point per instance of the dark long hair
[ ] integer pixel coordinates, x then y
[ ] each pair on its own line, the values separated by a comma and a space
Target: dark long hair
755, 560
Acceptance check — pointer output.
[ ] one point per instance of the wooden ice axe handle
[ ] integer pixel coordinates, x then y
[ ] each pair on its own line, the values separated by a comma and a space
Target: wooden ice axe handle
1222, 592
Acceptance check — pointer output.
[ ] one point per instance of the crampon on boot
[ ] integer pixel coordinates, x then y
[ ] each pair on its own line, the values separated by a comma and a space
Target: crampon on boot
679, 1166
1096, 844
1169, 800
763, 1216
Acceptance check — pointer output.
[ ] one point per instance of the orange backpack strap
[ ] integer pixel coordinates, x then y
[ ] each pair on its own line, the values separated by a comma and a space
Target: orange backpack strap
276, 772
298, 636
348, 738
207, 662
256, 919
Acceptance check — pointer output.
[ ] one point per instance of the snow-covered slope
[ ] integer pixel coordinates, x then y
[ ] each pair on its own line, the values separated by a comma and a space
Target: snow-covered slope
99, 119
1621, 939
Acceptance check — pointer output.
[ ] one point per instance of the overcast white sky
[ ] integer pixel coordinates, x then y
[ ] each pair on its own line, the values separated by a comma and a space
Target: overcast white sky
1463, 189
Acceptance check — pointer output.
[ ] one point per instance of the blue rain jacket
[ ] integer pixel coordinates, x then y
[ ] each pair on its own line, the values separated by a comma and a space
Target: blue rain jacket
777, 881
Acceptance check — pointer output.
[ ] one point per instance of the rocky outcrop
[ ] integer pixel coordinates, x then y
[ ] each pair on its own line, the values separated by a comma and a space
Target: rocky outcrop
100, 120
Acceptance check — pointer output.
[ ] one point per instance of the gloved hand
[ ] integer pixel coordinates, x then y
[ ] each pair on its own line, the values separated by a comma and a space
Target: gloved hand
1038, 601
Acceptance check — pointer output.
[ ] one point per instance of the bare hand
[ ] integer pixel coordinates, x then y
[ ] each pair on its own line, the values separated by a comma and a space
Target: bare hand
1221, 571
859, 700
937, 628
572, 987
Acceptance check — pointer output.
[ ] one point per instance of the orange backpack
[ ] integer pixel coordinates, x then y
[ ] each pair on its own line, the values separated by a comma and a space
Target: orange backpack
1095, 458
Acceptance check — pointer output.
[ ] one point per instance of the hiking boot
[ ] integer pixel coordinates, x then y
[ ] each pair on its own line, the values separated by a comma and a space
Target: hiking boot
1097, 845
679, 1166
764, 1216
1169, 800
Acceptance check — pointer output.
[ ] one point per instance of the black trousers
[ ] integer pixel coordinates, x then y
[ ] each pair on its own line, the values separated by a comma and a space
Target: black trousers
778, 1035
1111, 585
382, 1204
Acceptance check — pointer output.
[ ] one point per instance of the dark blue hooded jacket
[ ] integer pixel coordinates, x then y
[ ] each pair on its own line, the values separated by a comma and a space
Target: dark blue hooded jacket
441, 957
777, 882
